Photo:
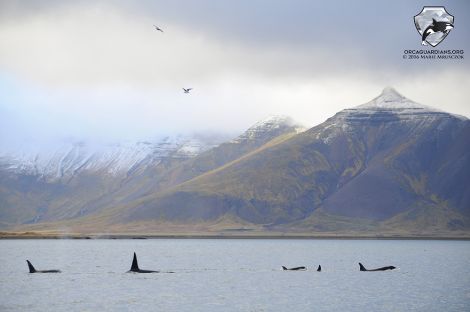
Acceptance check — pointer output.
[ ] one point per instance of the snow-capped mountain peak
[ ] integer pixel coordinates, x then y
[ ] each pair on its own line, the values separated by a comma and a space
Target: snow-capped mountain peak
391, 106
389, 95
391, 100
273, 123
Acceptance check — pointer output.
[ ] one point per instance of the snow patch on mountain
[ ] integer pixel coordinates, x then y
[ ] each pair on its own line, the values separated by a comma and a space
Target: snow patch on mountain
268, 125
389, 106
70, 158
392, 106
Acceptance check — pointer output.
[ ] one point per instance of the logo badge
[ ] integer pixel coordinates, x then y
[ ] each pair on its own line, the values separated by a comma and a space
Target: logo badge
433, 24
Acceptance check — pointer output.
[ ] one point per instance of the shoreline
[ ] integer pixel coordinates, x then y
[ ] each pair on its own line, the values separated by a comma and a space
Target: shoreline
29, 235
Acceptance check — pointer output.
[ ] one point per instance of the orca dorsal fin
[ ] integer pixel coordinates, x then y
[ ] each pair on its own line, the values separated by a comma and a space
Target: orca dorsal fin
284, 268
319, 268
434, 21
361, 267
31, 268
134, 266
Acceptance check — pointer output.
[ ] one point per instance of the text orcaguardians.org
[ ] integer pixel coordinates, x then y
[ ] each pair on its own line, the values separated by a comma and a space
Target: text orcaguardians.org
433, 52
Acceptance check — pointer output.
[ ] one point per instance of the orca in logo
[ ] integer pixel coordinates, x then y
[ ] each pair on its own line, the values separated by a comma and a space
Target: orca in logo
433, 24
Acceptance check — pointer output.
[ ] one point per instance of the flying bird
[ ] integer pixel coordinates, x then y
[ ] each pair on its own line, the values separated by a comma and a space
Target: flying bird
158, 28
187, 90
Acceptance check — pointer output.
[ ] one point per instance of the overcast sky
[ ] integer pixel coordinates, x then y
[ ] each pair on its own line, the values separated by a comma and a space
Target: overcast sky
98, 69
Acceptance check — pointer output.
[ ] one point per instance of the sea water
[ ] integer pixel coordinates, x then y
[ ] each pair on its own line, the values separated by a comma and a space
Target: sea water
235, 275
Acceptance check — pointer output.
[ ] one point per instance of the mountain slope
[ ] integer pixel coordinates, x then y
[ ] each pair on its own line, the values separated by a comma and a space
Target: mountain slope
59, 181
169, 174
80, 179
377, 162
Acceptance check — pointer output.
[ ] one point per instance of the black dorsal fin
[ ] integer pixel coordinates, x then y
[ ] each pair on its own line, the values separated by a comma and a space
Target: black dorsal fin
361, 267
434, 21
319, 268
135, 266
31, 268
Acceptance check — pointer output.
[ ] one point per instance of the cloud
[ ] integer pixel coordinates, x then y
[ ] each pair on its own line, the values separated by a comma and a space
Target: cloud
99, 69
102, 44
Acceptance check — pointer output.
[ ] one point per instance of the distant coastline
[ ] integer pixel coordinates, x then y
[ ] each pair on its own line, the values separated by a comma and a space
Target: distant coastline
41, 235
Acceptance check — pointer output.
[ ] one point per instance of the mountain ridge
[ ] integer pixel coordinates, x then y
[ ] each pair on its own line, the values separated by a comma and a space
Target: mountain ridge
390, 165
89, 191
371, 162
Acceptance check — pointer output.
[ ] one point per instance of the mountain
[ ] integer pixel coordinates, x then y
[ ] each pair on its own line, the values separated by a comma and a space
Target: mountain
170, 173
67, 159
79, 179
390, 165
56, 181
387, 167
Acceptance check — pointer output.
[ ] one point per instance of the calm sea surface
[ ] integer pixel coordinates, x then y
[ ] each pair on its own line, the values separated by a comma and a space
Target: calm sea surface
235, 275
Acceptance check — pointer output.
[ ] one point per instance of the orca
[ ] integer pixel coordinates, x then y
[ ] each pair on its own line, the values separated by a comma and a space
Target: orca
362, 268
135, 267
301, 268
436, 26
319, 268
33, 270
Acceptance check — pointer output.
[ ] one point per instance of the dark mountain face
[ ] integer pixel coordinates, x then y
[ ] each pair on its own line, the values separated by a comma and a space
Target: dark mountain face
28, 199
398, 171
376, 161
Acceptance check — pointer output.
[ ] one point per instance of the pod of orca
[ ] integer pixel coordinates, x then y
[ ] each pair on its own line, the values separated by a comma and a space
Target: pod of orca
135, 268
301, 268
